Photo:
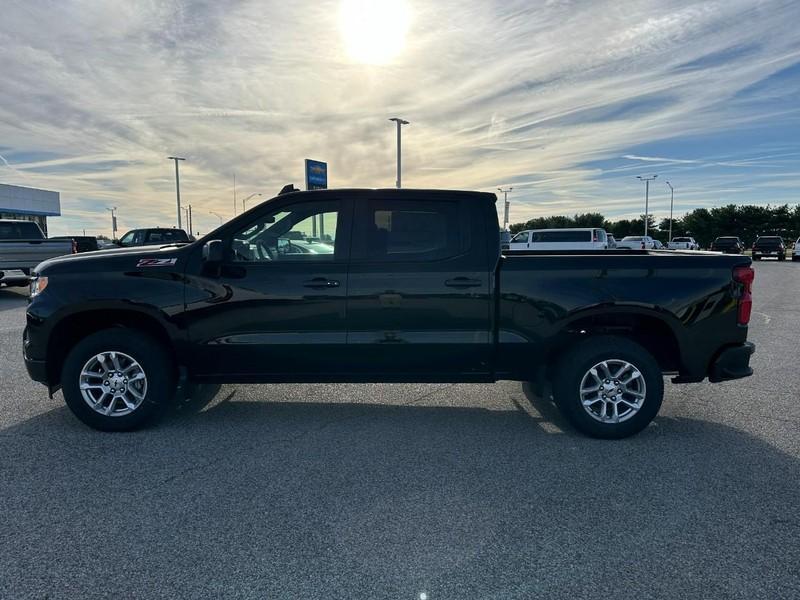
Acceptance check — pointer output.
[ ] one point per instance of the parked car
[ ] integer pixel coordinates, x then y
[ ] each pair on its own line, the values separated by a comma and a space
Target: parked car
590, 238
158, 236
612, 241
416, 290
83, 243
728, 245
796, 251
683, 243
636, 242
657, 245
769, 245
23, 246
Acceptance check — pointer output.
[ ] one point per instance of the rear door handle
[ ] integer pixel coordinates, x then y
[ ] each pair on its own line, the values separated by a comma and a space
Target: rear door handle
321, 283
462, 282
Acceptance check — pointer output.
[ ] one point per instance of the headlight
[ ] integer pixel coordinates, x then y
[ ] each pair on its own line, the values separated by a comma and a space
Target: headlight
37, 286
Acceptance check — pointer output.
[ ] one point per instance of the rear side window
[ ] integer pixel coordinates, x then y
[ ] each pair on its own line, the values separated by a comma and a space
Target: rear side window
406, 230
20, 231
561, 236
168, 236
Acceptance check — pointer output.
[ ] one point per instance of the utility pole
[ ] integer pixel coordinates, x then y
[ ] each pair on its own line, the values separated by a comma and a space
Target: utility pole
506, 206
671, 200
400, 122
177, 186
113, 211
234, 194
647, 180
190, 220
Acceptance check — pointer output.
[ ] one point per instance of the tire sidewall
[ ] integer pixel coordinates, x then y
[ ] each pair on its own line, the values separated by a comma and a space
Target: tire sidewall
577, 362
153, 359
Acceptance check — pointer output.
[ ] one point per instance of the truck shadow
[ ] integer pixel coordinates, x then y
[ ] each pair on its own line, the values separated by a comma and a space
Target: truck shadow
291, 498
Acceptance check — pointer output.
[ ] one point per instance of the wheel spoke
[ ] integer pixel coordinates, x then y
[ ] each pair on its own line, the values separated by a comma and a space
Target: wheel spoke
115, 360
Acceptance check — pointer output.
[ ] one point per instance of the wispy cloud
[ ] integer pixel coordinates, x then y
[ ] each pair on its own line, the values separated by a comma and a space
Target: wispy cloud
562, 100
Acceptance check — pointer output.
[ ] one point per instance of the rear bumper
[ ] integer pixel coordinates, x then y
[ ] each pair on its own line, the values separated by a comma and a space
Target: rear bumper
732, 363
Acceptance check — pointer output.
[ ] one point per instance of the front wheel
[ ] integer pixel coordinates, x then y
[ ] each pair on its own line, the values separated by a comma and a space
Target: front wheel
117, 379
608, 387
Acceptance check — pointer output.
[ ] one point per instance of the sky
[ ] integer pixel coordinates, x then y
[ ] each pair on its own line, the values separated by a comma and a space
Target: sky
566, 101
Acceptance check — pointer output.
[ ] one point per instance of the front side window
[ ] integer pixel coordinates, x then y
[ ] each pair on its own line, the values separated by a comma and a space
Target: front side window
520, 238
303, 232
405, 230
127, 239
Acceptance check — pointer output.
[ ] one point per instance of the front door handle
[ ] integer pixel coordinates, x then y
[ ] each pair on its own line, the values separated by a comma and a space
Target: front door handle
319, 283
462, 282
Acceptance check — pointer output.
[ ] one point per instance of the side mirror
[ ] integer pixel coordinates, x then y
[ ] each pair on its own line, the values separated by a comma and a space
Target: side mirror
212, 252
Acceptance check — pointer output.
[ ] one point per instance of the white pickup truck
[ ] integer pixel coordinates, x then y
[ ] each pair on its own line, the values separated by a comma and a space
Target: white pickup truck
22, 247
683, 243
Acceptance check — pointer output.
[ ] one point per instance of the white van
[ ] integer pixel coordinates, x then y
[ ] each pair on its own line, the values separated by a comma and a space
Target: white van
590, 238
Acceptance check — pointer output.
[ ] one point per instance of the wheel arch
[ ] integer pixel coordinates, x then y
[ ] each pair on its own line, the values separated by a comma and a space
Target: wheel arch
78, 325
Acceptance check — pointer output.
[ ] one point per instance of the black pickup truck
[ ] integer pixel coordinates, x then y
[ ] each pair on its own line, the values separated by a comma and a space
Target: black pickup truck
384, 286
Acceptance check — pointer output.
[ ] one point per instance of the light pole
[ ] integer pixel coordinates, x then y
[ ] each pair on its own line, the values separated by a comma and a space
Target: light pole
113, 211
234, 194
506, 206
647, 181
219, 216
244, 202
177, 186
671, 201
400, 122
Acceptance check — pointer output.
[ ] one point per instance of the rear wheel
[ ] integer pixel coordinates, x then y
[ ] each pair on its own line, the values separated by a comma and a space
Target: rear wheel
117, 379
608, 387
756, 257
781, 257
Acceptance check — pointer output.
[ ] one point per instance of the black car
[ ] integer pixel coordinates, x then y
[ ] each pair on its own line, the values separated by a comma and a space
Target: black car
157, 236
728, 245
83, 243
769, 245
410, 286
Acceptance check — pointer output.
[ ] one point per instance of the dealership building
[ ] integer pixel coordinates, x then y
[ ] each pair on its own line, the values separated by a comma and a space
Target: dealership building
29, 204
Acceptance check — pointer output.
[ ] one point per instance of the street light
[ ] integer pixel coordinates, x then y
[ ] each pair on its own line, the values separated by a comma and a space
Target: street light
647, 181
506, 205
219, 216
244, 202
113, 211
400, 122
177, 186
671, 200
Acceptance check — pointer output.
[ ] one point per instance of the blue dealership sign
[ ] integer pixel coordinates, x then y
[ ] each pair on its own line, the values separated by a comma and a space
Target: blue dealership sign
316, 175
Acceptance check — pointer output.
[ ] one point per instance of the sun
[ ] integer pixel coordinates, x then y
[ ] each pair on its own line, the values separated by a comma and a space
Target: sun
374, 31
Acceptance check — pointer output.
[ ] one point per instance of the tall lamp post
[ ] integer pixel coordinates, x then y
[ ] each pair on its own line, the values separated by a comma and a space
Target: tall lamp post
219, 216
647, 181
244, 202
400, 122
177, 186
506, 206
671, 202
113, 211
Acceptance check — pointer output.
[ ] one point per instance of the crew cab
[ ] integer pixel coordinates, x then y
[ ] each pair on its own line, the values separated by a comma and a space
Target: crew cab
23, 246
156, 236
586, 238
728, 245
413, 289
683, 243
769, 245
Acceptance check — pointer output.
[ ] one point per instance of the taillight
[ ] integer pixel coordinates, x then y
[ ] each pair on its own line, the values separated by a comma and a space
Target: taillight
745, 276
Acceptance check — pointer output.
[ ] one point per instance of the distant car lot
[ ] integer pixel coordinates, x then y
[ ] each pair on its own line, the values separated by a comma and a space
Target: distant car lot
454, 491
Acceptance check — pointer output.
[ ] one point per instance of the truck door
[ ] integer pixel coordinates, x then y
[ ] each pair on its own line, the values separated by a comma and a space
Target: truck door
419, 290
276, 309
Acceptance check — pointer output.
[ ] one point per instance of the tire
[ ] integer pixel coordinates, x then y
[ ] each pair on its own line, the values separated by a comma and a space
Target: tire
795, 257
756, 257
574, 371
781, 257
142, 399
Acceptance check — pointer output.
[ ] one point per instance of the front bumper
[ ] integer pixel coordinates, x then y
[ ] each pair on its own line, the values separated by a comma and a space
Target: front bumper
732, 363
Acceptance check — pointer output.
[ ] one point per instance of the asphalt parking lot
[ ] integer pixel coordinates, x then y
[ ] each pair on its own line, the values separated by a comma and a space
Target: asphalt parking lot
395, 491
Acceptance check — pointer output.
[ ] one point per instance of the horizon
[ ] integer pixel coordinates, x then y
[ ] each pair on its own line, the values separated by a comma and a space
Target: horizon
566, 102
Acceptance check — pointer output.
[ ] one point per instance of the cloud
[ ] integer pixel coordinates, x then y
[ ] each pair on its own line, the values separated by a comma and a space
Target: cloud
547, 97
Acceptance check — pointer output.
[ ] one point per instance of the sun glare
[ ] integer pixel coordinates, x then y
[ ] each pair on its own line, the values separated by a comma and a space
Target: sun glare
374, 31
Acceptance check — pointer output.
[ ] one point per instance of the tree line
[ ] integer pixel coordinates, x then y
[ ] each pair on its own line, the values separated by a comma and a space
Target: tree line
703, 224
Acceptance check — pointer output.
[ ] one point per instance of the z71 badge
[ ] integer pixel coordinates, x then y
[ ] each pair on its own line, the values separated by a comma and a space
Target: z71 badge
156, 262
